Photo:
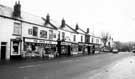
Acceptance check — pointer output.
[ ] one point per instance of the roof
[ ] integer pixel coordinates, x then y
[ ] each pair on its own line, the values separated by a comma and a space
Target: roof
73, 30
50, 23
79, 30
27, 17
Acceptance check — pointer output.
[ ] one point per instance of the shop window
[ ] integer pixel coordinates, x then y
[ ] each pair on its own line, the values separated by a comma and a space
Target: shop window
80, 48
43, 34
17, 29
50, 34
74, 37
15, 48
35, 31
81, 38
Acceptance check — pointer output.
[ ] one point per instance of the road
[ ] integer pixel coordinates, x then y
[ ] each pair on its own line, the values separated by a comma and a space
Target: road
84, 67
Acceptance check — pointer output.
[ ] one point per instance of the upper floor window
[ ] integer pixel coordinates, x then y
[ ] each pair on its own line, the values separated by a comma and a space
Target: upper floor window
87, 38
43, 34
30, 31
63, 35
74, 37
50, 34
81, 38
97, 41
35, 31
54, 35
59, 35
92, 40
17, 29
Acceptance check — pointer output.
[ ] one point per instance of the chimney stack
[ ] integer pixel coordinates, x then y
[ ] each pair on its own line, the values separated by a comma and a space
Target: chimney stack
77, 27
47, 18
63, 23
87, 30
17, 10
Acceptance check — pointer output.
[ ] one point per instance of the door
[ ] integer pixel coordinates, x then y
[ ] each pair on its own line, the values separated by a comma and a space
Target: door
3, 50
69, 50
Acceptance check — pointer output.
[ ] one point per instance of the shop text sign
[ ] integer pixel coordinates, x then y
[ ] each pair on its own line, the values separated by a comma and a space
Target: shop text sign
40, 41
65, 43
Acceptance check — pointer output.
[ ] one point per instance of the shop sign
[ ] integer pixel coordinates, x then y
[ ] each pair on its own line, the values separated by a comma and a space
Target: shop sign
86, 44
81, 44
29, 40
41, 41
90, 45
65, 43
53, 42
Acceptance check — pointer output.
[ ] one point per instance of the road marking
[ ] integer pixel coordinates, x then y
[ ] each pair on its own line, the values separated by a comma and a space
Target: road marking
28, 66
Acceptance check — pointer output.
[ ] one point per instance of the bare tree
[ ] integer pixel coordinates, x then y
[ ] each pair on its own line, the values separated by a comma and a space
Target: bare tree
105, 37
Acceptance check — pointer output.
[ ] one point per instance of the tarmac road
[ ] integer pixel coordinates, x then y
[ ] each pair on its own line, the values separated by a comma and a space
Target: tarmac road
84, 67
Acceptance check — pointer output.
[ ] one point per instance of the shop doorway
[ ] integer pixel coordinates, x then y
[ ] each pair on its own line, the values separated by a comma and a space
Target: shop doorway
69, 51
3, 50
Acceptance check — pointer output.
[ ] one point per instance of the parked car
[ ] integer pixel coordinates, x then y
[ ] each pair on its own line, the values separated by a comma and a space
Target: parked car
115, 51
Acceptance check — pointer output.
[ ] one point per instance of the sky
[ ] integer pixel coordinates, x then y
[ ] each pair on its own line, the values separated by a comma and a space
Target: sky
117, 17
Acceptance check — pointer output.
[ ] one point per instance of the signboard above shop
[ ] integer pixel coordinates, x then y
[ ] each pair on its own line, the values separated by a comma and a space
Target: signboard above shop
65, 43
40, 41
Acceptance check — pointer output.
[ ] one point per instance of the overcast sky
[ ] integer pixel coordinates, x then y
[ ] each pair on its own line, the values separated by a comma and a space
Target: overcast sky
114, 16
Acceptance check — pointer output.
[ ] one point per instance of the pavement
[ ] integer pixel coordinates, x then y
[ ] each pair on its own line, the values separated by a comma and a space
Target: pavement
102, 66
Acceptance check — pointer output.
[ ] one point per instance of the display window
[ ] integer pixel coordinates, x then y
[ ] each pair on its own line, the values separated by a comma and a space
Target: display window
64, 50
15, 48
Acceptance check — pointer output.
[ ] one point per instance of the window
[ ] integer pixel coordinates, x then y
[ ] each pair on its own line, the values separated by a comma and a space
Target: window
59, 35
54, 35
50, 34
63, 35
81, 38
92, 40
87, 38
74, 37
35, 31
17, 29
30, 31
97, 41
43, 34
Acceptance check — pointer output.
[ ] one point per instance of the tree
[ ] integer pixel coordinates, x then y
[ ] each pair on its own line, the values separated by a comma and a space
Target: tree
105, 37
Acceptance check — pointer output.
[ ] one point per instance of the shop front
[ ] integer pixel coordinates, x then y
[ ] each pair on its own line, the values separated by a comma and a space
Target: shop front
65, 48
86, 49
39, 47
97, 48
74, 48
15, 48
81, 47
90, 48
